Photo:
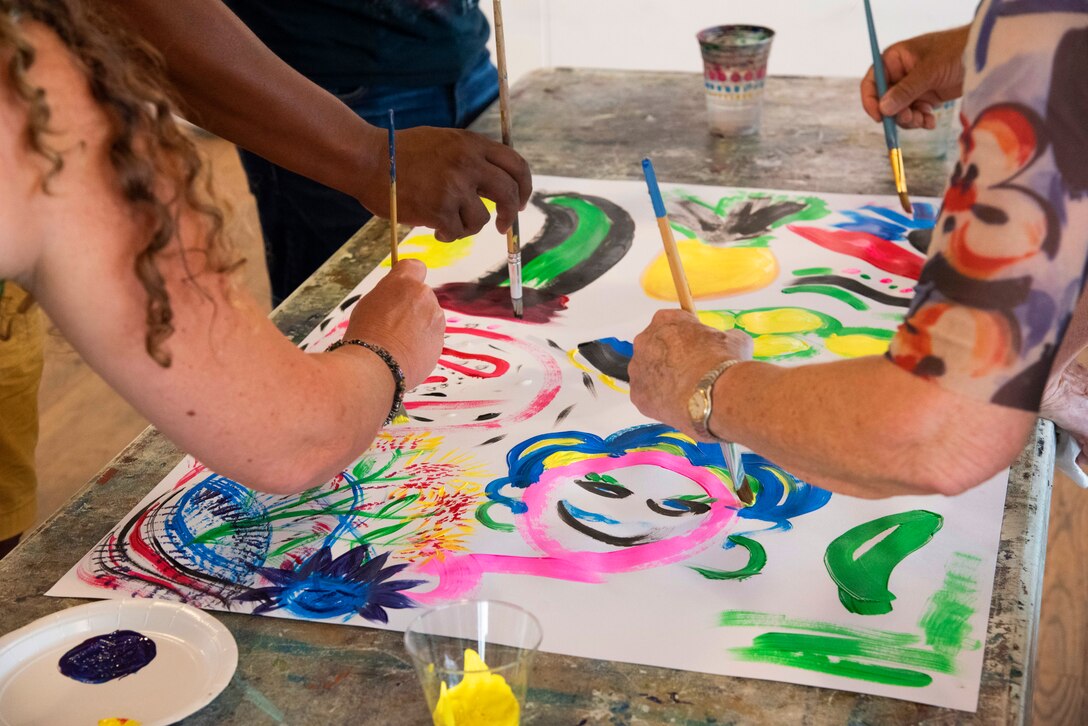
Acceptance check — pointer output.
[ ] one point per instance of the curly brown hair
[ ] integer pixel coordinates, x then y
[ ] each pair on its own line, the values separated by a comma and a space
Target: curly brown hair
157, 166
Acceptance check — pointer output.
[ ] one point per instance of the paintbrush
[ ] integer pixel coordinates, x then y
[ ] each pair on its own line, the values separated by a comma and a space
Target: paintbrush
392, 190
891, 134
683, 293
513, 235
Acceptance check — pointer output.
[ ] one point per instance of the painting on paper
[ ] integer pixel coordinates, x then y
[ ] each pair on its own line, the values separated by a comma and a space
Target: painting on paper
521, 472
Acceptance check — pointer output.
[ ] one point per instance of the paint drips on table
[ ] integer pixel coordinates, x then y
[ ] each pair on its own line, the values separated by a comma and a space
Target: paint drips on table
104, 658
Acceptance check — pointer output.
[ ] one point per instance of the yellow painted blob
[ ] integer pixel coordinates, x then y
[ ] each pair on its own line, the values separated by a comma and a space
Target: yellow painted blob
782, 320
717, 319
856, 345
772, 346
712, 271
117, 722
482, 698
436, 254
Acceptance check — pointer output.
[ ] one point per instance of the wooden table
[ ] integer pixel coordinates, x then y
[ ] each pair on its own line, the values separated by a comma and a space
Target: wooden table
581, 123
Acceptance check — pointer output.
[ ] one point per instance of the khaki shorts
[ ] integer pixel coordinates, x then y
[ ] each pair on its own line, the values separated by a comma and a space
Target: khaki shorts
21, 336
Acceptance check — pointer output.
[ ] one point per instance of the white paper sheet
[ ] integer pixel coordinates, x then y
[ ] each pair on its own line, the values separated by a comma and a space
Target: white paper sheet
524, 473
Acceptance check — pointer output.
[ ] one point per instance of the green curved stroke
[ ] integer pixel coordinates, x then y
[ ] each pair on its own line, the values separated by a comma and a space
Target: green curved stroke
593, 227
863, 579
757, 559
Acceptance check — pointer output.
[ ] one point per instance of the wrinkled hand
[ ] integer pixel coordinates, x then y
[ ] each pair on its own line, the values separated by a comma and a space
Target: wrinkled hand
1065, 402
401, 314
441, 175
670, 357
922, 72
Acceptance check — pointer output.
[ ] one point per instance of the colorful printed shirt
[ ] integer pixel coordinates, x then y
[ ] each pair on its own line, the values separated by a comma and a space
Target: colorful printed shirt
1009, 250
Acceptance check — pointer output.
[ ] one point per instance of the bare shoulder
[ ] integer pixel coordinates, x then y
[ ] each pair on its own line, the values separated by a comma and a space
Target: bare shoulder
65, 127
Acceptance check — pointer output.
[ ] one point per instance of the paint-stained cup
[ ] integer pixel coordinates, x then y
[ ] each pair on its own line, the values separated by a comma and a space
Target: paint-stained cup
473, 659
734, 71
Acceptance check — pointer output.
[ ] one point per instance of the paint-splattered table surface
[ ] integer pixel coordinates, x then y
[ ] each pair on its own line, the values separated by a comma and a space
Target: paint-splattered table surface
582, 123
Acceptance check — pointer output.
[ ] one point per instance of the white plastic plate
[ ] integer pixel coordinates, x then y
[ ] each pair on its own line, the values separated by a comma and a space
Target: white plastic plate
195, 660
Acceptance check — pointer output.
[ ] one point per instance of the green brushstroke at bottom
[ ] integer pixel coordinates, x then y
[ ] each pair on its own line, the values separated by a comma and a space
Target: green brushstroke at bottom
878, 656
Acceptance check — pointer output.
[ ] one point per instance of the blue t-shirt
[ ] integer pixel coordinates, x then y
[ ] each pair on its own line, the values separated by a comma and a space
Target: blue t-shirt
344, 44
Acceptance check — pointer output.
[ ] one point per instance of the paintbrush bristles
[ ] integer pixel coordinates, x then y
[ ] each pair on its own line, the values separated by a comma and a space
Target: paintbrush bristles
896, 157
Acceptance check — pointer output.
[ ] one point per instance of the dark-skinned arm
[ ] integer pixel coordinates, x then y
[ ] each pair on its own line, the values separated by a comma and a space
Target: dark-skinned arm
234, 86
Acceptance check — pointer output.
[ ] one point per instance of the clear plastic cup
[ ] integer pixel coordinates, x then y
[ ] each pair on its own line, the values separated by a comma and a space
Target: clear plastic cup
734, 71
473, 659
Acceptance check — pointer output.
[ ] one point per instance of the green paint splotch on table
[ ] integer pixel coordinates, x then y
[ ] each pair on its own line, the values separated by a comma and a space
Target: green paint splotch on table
863, 578
878, 656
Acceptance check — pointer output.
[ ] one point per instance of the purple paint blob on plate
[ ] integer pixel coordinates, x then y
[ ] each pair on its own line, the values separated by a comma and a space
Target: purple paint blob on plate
104, 658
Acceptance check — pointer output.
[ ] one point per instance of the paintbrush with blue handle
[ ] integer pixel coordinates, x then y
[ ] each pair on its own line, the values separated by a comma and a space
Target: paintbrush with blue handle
683, 293
891, 133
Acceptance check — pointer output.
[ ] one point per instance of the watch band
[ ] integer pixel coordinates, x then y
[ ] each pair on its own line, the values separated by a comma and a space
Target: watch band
701, 403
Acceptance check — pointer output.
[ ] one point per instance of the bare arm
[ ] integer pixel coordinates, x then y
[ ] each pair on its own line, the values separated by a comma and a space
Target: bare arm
236, 87
238, 395
863, 427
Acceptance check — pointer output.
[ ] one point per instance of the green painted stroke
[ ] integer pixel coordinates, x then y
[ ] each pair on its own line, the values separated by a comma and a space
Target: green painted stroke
946, 619
863, 579
835, 292
805, 271
593, 226
878, 656
757, 559
483, 515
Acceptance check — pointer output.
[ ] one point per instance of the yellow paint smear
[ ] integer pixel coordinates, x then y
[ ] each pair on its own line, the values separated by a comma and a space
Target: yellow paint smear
712, 271
772, 346
482, 698
436, 254
856, 345
782, 320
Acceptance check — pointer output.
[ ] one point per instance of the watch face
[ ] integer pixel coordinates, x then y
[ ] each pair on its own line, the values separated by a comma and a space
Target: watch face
698, 406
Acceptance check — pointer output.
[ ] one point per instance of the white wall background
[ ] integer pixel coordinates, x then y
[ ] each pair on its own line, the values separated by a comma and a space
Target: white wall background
813, 37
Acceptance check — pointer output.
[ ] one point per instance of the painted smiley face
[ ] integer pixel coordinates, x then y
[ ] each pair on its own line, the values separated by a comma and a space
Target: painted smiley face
627, 507
645, 508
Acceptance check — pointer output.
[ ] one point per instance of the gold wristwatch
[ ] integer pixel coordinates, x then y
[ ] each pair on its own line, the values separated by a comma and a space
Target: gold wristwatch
701, 403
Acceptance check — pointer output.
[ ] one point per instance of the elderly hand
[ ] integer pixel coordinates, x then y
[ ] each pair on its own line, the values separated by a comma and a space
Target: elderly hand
401, 314
441, 175
1065, 402
670, 357
922, 72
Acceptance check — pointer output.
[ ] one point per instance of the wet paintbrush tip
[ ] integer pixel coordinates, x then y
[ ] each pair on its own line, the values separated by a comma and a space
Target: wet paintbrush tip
905, 201
519, 308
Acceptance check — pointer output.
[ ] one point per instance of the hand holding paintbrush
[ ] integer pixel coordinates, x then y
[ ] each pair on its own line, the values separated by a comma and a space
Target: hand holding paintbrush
687, 303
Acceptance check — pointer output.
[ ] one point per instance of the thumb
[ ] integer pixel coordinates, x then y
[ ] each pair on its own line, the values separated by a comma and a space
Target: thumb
904, 93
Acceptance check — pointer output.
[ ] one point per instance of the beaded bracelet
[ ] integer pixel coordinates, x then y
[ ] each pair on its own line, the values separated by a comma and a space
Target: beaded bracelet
394, 368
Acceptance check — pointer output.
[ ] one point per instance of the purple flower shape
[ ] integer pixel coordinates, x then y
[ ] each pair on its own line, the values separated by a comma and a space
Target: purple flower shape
323, 587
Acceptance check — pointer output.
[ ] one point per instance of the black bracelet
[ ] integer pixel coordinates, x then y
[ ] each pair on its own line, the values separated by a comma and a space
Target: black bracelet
394, 368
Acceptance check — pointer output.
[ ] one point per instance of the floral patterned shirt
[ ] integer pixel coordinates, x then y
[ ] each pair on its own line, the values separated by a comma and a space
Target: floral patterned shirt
1009, 250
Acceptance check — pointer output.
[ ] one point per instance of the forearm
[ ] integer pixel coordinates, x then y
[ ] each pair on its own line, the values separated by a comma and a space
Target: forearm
866, 428
234, 86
